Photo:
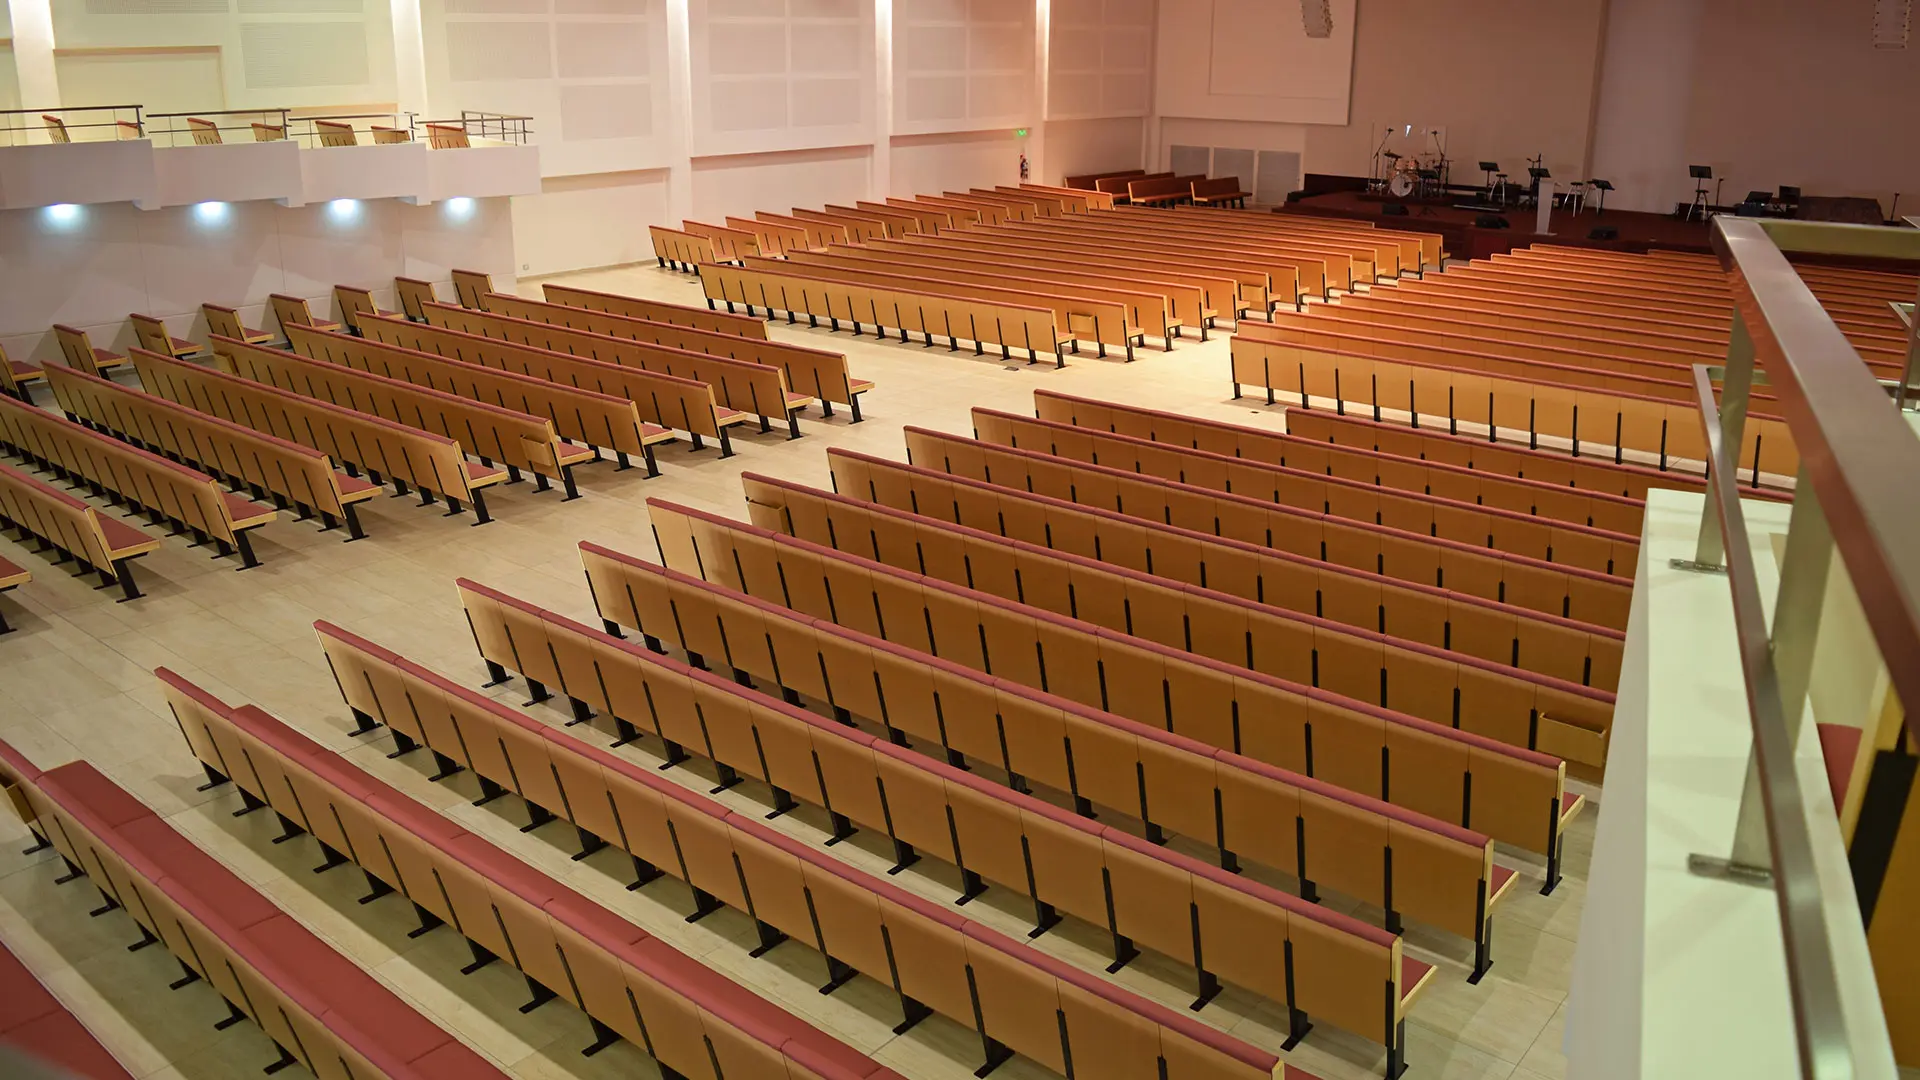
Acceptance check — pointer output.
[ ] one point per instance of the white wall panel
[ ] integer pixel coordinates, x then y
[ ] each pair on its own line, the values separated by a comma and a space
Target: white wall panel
578, 222
776, 75
591, 73
962, 65
929, 164
1100, 57
1252, 60
190, 77
744, 183
1083, 146
111, 259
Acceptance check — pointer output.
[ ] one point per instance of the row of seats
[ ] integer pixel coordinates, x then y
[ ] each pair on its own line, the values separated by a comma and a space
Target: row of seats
1520, 797
100, 543
35, 1026
322, 1010
1351, 499
631, 984
1017, 999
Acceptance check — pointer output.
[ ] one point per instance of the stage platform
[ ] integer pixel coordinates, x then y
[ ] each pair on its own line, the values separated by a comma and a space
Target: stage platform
1638, 232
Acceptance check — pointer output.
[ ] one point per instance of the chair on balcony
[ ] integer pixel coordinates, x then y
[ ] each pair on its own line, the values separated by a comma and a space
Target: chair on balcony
56, 129
268, 132
447, 136
333, 133
127, 129
384, 136
205, 132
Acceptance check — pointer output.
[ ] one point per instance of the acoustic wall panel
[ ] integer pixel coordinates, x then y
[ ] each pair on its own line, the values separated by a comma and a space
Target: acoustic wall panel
278, 55
1189, 160
1277, 172
591, 73
775, 75
962, 65
1241, 163
1100, 58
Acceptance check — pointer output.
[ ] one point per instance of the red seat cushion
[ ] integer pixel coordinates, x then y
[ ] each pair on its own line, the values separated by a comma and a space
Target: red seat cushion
22, 998
86, 791
195, 880
61, 1040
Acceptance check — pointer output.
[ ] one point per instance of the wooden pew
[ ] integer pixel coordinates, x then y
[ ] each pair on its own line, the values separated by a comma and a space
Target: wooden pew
1161, 191
1501, 532
322, 1010
1412, 250
1243, 284
1145, 898
729, 245
1082, 306
968, 211
1088, 180
291, 311
152, 334
1219, 191
405, 386
634, 307
100, 543
1208, 634
1071, 201
627, 410
858, 922
1347, 263
742, 386
1044, 203
470, 285
942, 218
41, 1033
817, 370
225, 322
267, 466
17, 376
80, 354
906, 304
356, 303
773, 239
563, 944
924, 219
1089, 199
858, 227
1071, 747
1410, 762
1617, 514
897, 221
166, 492
1010, 209
673, 247
413, 295
358, 440
1513, 397
1285, 277
1119, 185
818, 233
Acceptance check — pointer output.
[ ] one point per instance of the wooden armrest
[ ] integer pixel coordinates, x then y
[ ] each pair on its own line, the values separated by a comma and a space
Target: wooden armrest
1502, 883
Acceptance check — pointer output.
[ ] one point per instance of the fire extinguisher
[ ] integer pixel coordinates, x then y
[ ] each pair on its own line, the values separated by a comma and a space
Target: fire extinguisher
1024, 168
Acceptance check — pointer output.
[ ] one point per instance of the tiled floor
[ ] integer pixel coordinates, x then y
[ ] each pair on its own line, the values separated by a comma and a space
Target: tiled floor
75, 682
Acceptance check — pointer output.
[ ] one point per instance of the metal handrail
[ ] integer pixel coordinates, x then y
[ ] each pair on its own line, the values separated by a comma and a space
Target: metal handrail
1813, 983
164, 123
34, 123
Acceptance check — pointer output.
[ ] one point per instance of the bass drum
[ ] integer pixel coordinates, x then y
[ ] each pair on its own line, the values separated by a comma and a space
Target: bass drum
1400, 186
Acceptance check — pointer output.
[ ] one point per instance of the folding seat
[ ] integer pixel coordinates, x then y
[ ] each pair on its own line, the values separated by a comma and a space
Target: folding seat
784, 741
670, 1023
953, 628
1152, 897
741, 1056
1032, 733
728, 723
1468, 573
413, 859
1421, 681
1177, 781
793, 645
1497, 706
881, 536
1258, 813
845, 662
914, 801
1346, 744
486, 621
1008, 634
1019, 1003
1439, 876
775, 885
574, 647
641, 824
1107, 1038
1145, 609
1348, 666
591, 942
847, 916
846, 766
929, 953
1343, 845
908, 688
899, 612
1067, 861
480, 735
1272, 642
529, 765
1342, 972
705, 848
1020, 519
822, 586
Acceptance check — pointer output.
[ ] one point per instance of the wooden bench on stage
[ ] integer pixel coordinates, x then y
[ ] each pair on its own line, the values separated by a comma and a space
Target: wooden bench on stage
817, 370
739, 385
225, 322
357, 303
1161, 190
1120, 186
626, 410
16, 376
1096, 757
357, 440
152, 335
405, 386
100, 543
564, 944
635, 307
165, 491
80, 354
857, 921
1076, 868
267, 466
39, 1032
673, 247
911, 306
1219, 191
470, 285
413, 294
323, 1011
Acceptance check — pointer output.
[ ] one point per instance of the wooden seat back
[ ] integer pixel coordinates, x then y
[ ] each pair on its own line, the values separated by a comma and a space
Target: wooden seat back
377, 379
355, 303
225, 322
56, 129
635, 307
414, 295
386, 136
1089, 180
898, 222
323, 1011
617, 973
205, 132
1217, 187
1227, 287
1156, 189
72, 526
335, 133
423, 459
728, 244
817, 372
165, 489
681, 249
743, 385
603, 403
76, 347
1068, 858
1287, 276
470, 286
771, 238
152, 334
1119, 184
447, 136
739, 862
291, 311
299, 474
268, 132
858, 227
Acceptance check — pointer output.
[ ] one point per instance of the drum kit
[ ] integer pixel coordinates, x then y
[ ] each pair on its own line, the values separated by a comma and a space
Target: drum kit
1412, 176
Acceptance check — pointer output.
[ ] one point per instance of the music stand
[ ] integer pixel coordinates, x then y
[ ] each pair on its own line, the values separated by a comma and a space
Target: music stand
1538, 173
1601, 186
1700, 174
1489, 167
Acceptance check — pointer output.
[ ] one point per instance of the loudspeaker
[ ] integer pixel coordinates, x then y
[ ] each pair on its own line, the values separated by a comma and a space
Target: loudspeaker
1492, 221
1604, 232
1394, 209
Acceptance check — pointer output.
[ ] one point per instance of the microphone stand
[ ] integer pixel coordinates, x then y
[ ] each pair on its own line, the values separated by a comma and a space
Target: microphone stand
1377, 152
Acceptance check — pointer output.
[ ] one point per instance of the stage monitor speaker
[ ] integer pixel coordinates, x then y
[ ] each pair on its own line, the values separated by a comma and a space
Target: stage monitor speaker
1492, 221
1394, 209
1604, 232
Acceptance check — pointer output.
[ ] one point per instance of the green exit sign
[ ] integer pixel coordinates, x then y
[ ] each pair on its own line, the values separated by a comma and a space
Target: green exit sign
1019, 133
